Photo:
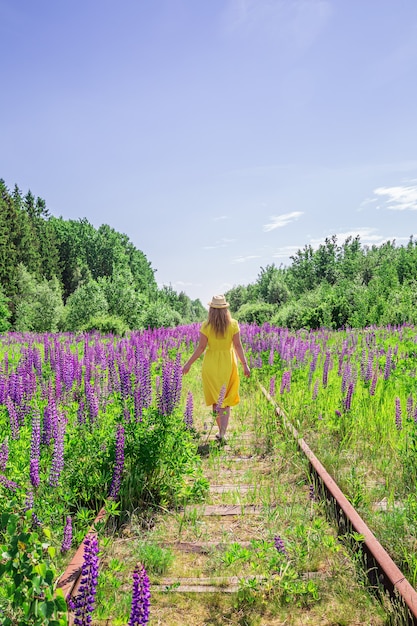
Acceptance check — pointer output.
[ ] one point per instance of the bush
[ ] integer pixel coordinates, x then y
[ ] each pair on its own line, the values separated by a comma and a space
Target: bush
256, 313
86, 302
106, 325
157, 315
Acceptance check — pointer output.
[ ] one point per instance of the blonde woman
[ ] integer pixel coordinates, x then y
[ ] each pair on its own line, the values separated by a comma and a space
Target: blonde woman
220, 340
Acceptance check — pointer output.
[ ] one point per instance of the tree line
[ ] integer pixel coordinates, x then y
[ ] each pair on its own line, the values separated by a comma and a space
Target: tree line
66, 275
334, 286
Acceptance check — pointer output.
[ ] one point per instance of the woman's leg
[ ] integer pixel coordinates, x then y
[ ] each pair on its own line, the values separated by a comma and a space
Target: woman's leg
222, 420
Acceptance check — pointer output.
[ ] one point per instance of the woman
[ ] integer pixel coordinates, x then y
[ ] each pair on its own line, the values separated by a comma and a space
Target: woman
221, 336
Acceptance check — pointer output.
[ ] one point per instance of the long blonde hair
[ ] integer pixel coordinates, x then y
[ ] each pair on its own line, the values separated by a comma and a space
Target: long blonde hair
219, 320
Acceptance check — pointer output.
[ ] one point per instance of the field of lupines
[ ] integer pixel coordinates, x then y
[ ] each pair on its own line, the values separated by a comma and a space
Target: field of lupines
89, 421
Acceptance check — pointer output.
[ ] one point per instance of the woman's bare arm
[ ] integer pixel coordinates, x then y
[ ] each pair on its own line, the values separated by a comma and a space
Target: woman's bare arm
237, 344
202, 344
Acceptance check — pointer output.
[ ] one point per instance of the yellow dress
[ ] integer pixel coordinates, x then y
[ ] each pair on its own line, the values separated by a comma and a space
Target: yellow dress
220, 366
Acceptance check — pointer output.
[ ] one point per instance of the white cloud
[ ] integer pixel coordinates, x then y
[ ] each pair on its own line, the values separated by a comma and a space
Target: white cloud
367, 235
279, 221
243, 259
366, 202
297, 24
285, 252
220, 217
400, 198
180, 284
220, 243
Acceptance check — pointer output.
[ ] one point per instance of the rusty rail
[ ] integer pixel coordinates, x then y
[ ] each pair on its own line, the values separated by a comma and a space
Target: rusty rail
381, 569
70, 579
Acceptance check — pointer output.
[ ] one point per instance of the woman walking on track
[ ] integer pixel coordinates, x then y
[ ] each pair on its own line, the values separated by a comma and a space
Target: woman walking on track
220, 339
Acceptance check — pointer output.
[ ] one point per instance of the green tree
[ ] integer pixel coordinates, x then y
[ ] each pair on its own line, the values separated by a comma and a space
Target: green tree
87, 301
159, 314
237, 296
122, 298
5, 312
301, 273
39, 305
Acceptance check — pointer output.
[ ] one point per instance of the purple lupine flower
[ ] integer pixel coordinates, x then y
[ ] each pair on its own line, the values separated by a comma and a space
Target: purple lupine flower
188, 413
125, 381
29, 501
398, 416
92, 402
3, 389
141, 596
83, 603
9, 484
368, 373
119, 462
272, 386
346, 374
58, 454
410, 404
285, 382
312, 493
326, 369
348, 400
4, 454
338, 413
50, 418
220, 399
388, 364
177, 380
313, 364
373, 383
138, 403
13, 417
80, 413
316, 390
169, 392
271, 357
145, 381
35, 520
46, 426
35, 449
280, 546
58, 381
126, 414
67, 370
67, 540
15, 388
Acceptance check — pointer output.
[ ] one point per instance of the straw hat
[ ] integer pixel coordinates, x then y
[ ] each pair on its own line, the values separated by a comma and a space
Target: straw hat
218, 302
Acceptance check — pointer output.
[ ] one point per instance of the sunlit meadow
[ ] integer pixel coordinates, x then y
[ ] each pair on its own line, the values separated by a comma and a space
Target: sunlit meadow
88, 421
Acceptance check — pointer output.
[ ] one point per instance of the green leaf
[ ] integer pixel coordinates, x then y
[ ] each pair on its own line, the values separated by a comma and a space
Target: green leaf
49, 576
41, 569
60, 602
47, 533
43, 609
51, 551
36, 582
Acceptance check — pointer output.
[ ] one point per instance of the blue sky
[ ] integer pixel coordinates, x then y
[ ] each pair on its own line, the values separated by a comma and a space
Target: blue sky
220, 135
